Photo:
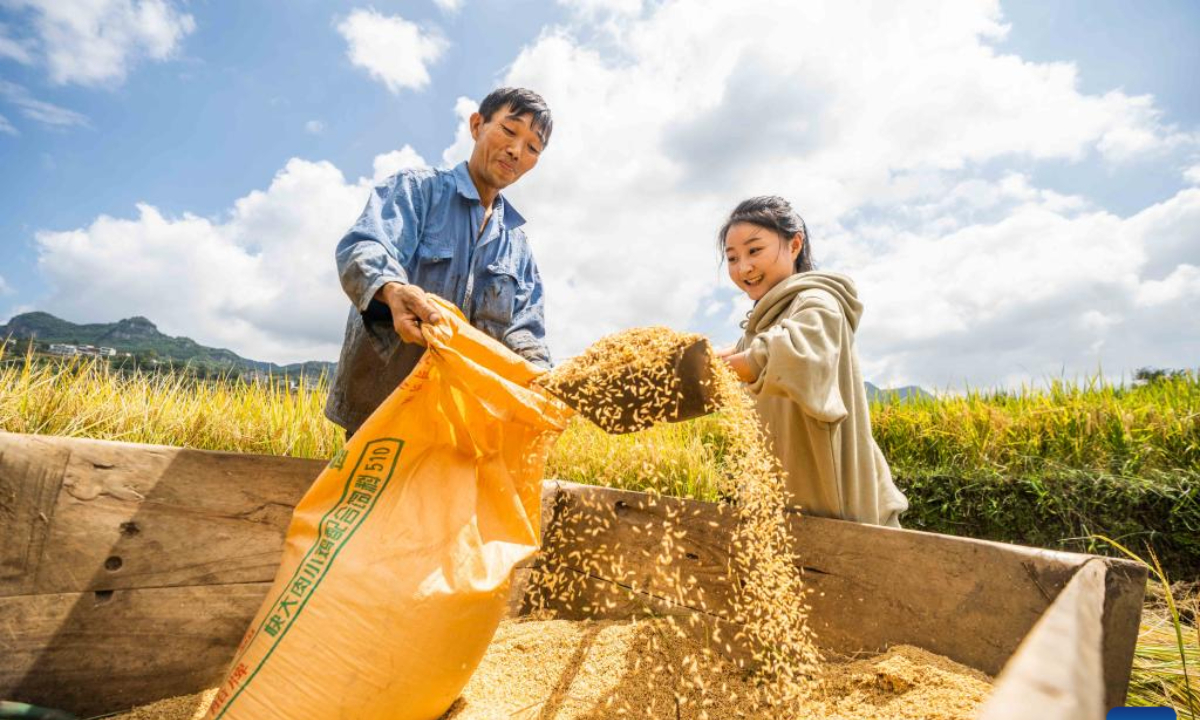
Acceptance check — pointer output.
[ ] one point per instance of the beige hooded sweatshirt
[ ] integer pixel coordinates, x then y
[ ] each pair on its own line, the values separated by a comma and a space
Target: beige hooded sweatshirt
810, 396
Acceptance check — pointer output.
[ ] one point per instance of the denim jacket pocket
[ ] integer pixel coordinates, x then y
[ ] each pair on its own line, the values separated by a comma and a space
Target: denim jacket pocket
496, 296
432, 271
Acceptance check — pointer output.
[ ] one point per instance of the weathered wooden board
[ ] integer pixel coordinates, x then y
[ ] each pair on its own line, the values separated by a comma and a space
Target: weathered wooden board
872, 587
1058, 668
1124, 596
96, 652
30, 478
131, 516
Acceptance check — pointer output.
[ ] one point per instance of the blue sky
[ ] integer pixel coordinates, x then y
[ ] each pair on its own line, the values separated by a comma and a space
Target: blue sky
1011, 184
216, 121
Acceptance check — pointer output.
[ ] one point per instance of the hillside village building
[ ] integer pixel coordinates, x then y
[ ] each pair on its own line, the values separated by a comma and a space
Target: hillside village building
91, 350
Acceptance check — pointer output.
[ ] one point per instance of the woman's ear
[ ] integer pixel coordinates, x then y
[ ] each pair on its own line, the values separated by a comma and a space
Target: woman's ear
796, 245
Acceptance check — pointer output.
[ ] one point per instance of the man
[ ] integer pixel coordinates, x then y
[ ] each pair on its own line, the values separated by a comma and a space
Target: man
448, 232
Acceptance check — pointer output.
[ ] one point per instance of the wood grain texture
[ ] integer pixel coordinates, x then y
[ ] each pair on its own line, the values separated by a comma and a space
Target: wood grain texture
1124, 598
1058, 668
97, 652
31, 475
149, 516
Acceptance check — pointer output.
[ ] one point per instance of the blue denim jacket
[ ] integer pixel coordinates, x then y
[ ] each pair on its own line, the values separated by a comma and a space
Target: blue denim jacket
420, 227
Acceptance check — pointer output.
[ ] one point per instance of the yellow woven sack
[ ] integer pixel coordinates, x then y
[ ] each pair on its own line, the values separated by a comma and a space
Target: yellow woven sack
396, 569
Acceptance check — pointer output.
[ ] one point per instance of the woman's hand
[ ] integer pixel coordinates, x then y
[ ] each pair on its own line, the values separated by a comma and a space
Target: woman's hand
739, 362
722, 353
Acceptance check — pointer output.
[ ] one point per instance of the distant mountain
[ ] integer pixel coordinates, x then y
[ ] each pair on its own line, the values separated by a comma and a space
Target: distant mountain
901, 394
141, 337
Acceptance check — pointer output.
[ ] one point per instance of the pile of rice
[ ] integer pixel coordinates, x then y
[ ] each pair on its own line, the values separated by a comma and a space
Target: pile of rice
560, 670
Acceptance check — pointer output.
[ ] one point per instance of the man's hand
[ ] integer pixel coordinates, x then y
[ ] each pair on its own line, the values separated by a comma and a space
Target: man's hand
410, 307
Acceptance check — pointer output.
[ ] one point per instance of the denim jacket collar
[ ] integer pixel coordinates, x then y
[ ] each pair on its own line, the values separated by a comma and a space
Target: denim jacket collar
506, 215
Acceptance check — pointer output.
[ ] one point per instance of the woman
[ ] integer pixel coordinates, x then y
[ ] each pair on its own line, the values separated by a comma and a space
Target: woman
797, 356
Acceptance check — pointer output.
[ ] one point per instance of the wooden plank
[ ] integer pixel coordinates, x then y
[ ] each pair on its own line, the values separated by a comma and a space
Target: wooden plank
152, 516
970, 600
1058, 668
871, 587
96, 652
31, 475
1124, 596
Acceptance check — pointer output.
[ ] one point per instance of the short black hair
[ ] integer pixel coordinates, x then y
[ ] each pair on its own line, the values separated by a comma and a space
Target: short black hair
521, 102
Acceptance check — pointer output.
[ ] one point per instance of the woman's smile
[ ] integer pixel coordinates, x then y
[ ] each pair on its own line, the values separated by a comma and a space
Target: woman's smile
759, 258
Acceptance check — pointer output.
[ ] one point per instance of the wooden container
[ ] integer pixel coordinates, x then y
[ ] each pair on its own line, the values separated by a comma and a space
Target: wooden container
128, 573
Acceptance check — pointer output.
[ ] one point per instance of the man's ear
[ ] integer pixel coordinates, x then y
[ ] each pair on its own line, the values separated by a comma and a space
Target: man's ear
476, 122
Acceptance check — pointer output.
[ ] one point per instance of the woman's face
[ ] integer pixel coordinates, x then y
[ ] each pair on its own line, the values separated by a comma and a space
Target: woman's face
758, 258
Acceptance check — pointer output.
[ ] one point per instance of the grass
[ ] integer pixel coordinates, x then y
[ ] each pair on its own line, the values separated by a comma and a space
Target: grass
682, 459
85, 398
1094, 425
1040, 437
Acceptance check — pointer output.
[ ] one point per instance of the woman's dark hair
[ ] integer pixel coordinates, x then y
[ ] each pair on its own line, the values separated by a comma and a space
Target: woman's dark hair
520, 102
773, 213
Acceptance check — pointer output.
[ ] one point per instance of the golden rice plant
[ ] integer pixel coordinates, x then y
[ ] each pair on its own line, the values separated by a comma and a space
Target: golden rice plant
679, 459
1159, 678
1092, 425
84, 397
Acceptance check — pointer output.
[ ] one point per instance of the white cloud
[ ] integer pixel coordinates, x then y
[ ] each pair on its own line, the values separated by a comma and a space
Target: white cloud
5, 288
96, 42
460, 149
14, 49
393, 50
38, 110
590, 9
1039, 292
261, 281
1148, 136
314, 127
1192, 174
6, 127
1179, 289
449, 6
391, 163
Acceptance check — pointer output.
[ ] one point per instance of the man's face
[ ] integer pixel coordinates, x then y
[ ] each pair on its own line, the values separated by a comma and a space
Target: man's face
506, 147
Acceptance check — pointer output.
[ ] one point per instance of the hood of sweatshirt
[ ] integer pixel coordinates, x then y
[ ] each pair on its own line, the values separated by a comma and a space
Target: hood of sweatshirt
779, 298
